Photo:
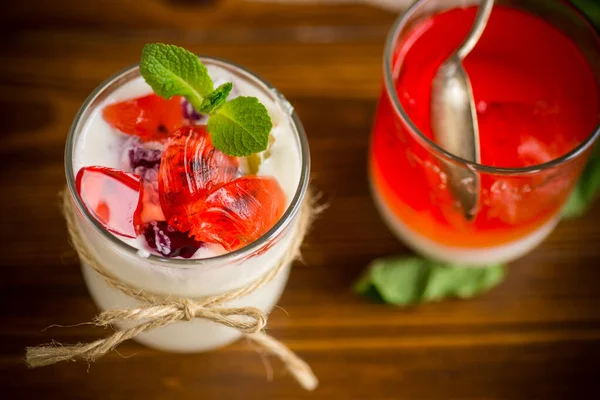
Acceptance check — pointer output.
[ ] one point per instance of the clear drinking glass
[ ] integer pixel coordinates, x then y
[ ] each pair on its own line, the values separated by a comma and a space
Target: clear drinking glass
519, 207
191, 278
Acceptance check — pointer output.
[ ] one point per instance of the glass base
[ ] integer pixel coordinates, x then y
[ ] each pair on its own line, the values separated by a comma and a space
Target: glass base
186, 336
475, 256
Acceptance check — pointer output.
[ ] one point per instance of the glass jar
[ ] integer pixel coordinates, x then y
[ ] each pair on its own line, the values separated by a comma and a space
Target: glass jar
190, 278
518, 207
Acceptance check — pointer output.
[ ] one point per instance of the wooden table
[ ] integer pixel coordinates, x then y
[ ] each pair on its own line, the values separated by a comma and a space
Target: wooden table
536, 336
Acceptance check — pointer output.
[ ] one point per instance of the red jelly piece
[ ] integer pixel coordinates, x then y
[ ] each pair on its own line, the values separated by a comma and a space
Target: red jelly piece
239, 212
113, 197
150, 117
169, 242
190, 168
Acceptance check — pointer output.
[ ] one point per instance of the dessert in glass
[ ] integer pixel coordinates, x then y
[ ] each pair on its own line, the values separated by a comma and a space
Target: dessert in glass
163, 210
535, 75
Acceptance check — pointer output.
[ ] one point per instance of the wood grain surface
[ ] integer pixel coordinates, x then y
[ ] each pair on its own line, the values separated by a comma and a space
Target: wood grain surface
535, 337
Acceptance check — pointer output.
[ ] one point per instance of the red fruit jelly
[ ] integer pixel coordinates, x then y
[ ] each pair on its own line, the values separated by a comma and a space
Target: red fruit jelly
537, 99
151, 117
190, 168
239, 212
113, 197
182, 195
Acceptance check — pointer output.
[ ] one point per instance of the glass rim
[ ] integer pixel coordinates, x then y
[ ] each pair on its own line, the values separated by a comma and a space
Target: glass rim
390, 89
283, 222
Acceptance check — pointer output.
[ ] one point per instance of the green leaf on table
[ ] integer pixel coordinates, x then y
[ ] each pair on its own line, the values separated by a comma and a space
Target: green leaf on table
215, 99
591, 8
406, 281
172, 70
586, 190
588, 187
240, 127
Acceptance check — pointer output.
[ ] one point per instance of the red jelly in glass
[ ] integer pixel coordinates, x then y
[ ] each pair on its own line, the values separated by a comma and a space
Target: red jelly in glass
239, 212
190, 168
151, 117
113, 197
537, 100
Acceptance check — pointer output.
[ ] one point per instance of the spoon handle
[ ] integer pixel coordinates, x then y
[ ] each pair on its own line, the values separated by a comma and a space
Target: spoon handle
481, 19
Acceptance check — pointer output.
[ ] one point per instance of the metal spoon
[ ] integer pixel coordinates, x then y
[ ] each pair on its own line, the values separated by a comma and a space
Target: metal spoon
454, 117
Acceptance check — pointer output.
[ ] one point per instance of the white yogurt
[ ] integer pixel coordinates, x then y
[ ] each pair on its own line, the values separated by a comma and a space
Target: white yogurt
467, 256
99, 144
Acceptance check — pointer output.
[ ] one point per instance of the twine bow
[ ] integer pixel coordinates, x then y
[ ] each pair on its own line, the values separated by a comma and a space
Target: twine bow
159, 311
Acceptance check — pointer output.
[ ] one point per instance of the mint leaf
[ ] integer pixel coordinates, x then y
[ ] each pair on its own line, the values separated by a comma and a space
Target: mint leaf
172, 70
460, 281
586, 190
591, 9
215, 99
240, 127
405, 281
394, 280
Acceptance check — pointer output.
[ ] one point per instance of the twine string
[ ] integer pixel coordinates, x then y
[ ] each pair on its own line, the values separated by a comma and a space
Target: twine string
158, 311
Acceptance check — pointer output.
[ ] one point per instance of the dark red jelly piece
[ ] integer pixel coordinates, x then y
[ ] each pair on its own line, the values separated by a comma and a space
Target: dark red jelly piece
141, 157
170, 242
190, 113
239, 212
189, 169
141, 154
113, 197
150, 117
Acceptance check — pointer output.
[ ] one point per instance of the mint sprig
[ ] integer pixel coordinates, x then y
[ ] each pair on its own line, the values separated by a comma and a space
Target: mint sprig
238, 127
